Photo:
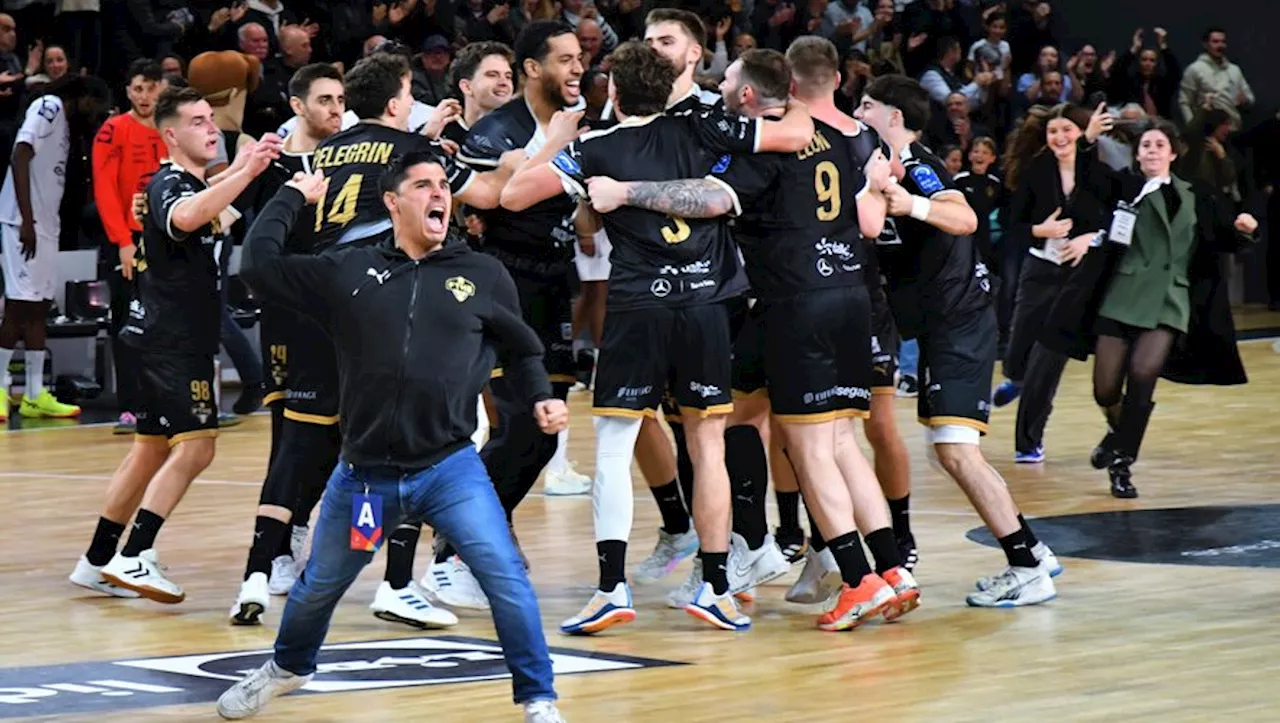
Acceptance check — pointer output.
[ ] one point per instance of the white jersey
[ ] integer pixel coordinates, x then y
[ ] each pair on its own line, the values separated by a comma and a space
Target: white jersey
45, 129
419, 114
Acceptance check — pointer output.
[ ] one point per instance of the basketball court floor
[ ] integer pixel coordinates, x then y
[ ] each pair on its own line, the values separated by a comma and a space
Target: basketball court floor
1166, 610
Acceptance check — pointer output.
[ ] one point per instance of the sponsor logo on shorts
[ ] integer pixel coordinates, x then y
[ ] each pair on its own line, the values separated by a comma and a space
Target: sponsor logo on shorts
705, 390
301, 396
824, 268
838, 249
702, 284
837, 391
660, 287
697, 267
633, 392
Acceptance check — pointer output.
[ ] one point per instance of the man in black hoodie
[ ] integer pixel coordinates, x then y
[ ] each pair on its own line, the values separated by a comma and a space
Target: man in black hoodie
418, 322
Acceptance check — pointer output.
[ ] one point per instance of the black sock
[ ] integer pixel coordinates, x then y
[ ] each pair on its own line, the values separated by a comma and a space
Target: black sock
675, 520
1017, 551
444, 551
715, 570
884, 549
401, 548
847, 550
900, 513
105, 540
267, 533
1032, 540
815, 535
285, 547
748, 469
613, 561
788, 510
684, 466
143, 536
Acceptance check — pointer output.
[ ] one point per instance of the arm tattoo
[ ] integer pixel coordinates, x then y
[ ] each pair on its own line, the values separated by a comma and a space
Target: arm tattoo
693, 198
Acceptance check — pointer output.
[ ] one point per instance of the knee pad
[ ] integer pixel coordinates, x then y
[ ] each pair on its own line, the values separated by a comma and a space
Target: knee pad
955, 434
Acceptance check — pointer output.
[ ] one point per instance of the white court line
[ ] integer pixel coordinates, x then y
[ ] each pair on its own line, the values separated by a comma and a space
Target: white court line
238, 483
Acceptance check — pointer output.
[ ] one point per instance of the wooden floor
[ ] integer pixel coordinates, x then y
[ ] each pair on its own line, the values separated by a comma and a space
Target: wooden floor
1122, 641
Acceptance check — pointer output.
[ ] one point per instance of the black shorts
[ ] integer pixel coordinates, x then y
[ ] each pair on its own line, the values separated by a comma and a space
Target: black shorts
818, 355
885, 343
176, 397
302, 366
747, 369
547, 308
645, 349
273, 331
957, 360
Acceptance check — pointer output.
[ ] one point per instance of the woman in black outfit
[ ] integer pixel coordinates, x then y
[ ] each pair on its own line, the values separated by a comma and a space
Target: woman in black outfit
1052, 216
1154, 297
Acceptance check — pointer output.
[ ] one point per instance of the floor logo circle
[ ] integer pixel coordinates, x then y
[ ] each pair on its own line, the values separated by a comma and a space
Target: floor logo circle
1228, 536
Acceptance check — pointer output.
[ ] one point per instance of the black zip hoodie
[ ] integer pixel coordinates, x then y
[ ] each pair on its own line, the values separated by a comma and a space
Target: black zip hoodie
416, 340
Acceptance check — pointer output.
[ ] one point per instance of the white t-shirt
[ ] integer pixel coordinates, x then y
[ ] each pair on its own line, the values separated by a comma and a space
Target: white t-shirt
45, 129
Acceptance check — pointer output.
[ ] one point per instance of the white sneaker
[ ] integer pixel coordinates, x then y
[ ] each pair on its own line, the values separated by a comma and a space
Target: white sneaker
144, 575
1043, 555
683, 596
819, 581
298, 546
751, 568
252, 602
88, 576
542, 711
565, 482
1015, 587
667, 554
451, 583
718, 610
284, 573
602, 611
410, 606
251, 694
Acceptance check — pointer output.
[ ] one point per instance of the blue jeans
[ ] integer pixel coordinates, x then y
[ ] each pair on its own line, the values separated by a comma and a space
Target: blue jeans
456, 498
909, 358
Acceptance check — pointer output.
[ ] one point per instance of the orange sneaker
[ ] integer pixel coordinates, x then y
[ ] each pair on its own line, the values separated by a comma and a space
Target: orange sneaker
856, 605
905, 590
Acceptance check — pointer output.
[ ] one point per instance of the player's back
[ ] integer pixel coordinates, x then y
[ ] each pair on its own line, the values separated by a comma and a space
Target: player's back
798, 227
353, 161
656, 259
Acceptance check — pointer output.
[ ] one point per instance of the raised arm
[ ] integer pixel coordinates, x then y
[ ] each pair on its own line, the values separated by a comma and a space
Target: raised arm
297, 281
536, 180
197, 210
689, 198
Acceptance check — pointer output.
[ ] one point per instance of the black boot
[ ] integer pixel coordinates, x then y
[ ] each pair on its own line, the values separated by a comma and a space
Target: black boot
1134, 417
1121, 483
1105, 453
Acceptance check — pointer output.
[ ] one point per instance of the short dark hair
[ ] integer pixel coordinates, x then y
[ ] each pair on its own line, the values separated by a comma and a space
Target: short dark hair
815, 63
1210, 31
945, 45
373, 82
175, 80
643, 78
993, 17
691, 23
398, 169
534, 42
147, 68
301, 82
468, 61
905, 94
768, 72
1168, 128
171, 100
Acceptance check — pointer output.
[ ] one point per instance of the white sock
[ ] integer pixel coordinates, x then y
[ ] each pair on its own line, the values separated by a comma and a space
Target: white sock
6, 356
560, 461
35, 373
611, 499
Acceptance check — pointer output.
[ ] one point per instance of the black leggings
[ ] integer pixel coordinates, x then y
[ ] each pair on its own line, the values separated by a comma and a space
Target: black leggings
1127, 364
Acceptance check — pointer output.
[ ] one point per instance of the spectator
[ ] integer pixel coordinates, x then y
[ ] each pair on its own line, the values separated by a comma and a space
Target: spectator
778, 22
79, 26
1216, 81
954, 126
848, 24
1210, 158
254, 40
134, 29
531, 11
172, 64
1030, 84
268, 107
1087, 73
993, 48
430, 84
574, 11
1148, 77
1030, 28
12, 90
885, 42
34, 19
925, 23
856, 75
592, 42
941, 80
481, 23
271, 15
54, 65
746, 41
715, 59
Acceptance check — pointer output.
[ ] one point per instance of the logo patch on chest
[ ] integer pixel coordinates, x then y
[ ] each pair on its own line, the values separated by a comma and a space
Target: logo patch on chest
461, 288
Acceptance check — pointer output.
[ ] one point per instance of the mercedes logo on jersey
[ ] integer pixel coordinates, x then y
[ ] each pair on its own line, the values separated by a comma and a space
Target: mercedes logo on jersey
660, 287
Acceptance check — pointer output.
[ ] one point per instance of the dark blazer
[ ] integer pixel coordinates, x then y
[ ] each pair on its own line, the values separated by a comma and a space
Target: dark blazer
1207, 353
1039, 192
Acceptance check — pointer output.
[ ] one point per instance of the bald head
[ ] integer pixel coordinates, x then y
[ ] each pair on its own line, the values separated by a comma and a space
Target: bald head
8, 33
295, 46
590, 38
374, 43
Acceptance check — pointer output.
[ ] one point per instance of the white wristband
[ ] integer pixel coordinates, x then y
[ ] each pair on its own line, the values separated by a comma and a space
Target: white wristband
920, 208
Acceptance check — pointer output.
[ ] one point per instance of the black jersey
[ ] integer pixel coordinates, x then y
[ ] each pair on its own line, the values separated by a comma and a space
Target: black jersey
178, 308
660, 260
797, 214
696, 99
353, 161
931, 275
864, 144
302, 239
539, 240
985, 193
456, 131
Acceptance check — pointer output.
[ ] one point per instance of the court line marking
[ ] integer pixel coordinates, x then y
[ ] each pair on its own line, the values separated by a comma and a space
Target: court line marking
241, 483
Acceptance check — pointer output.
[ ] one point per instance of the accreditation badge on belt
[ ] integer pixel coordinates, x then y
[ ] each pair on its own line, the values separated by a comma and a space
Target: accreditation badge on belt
366, 522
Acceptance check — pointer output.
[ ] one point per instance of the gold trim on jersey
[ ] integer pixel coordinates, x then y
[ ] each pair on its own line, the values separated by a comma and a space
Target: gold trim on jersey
149, 438
822, 417
933, 422
272, 398
711, 411
761, 392
320, 419
883, 390
620, 412
177, 439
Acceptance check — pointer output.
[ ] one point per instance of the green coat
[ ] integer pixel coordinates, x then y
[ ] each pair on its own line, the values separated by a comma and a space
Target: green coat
1150, 288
